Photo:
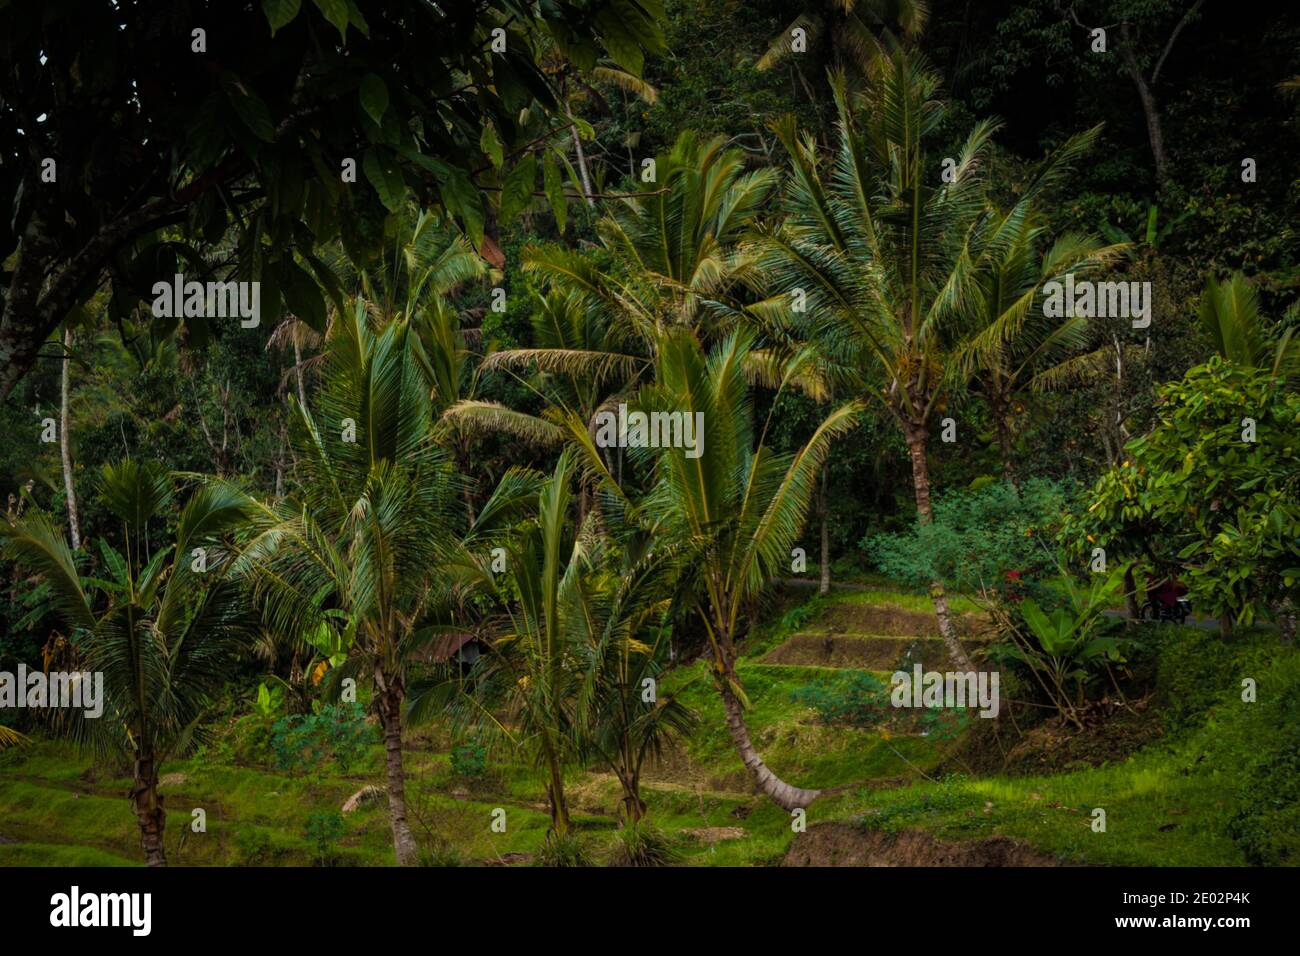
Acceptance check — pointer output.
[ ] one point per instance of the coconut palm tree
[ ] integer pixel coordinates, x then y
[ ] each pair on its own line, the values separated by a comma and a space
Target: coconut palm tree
846, 34
534, 581
369, 526
675, 247
623, 638
162, 626
878, 257
734, 510
416, 281
890, 260
1231, 319
1014, 347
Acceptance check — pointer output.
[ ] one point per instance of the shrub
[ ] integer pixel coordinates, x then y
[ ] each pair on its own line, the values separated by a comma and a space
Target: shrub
443, 854
469, 760
306, 741
1191, 664
640, 844
564, 850
1211, 489
978, 536
858, 699
253, 847
323, 829
1252, 746
249, 741
1267, 827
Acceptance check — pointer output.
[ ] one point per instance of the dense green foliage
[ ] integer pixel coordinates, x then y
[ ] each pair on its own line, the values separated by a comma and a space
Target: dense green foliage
590, 331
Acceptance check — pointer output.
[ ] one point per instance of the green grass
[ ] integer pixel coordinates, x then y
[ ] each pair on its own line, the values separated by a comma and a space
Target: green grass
1172, 803
907, 600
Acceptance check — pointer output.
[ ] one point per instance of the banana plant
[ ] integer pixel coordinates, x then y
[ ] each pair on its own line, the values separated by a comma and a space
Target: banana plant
1068, 647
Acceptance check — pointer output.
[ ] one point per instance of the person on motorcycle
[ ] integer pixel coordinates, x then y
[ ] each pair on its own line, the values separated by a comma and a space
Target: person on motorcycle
1165, 600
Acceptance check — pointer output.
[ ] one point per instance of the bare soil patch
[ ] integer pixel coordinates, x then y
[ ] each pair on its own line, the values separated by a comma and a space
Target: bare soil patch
842, 844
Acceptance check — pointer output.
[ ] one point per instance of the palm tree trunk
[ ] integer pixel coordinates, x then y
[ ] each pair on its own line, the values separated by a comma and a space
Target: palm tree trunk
784, 795
634, 806
555, 793
65, 450
823, 512
147, 805
916, 436
389, 694
1001, 411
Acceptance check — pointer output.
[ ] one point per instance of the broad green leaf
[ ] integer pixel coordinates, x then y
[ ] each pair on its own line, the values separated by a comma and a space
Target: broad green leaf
374, 97
491, 146
303, 296
252, 111
356, 19
461, 197
517, 192
280, 13
553, 184
336, 12
620, 41
381, 169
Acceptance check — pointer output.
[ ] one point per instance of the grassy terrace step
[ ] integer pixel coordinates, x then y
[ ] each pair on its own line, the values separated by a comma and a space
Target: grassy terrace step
1164, 804
856, 617
254, 817
786, 732
827, 649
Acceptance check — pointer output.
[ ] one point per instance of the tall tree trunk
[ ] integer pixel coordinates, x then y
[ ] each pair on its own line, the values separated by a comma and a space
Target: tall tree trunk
1150, 109
916, 438
65, 447
297, 369
389, 691
1284, 613
147, 805
559, 806
634, 808
582, 160
823, 513
1001, 409
1130, 595
781, 793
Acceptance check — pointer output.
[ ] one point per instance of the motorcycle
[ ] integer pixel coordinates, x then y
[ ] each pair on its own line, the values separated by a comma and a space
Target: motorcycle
1175, 611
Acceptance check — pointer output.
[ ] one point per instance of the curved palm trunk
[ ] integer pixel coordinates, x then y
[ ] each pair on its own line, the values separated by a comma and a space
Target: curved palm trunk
147, 805
784, 795
916, 436
390, 716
